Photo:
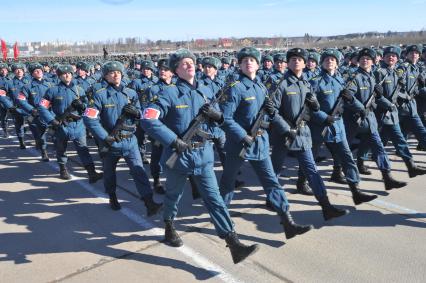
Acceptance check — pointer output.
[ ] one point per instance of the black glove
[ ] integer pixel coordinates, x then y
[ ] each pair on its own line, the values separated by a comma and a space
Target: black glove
378, 89
401, 82
13, 110
346, 95
248, 140
421, 81
269, 106
209, 112
330, 120
362, 114
109, 140
78, 105
312, 102
292, 134
55, 124
180, 145
401, 100
34, 112
132, 111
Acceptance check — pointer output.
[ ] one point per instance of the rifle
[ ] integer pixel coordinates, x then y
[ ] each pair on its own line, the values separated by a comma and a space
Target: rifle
394, 97
194, 129
62, 117
259, 122
119, 125
299, 123
368, 105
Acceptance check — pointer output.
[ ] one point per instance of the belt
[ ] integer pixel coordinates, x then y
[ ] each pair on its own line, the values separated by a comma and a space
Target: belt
124, 136
195, 145
260, 132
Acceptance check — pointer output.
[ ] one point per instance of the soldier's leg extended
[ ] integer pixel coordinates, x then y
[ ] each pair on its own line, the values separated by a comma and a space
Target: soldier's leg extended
61, 143
414, 124
19, 129
347, 162
307, 164
155, 166
402, 150
134, 161
80, 144
110, 161
337, 175
276, 197
232, 165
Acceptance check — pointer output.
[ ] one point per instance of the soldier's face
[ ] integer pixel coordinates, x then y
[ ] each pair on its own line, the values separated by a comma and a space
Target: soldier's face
311, 64
354, 61
66, 78
280, 66
249, 66
365, 62
413, 56
19, 73
37, 74
165, 74
113, 77
329, 64
225, 66
46, 69
267, 64
81, 73
186, 69
391, 59
3, 71
147, 72
210, 71
296, 64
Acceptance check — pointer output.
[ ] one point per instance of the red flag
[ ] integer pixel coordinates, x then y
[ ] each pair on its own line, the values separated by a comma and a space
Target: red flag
15, 51
4, 49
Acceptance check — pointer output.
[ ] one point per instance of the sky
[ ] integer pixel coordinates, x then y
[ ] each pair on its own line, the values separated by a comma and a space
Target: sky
102, 20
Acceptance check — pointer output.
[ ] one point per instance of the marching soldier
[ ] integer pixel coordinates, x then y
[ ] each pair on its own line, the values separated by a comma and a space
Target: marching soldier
167, 120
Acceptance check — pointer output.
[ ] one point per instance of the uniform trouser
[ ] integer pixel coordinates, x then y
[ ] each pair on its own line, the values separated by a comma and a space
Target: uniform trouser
154, 165
264, 171
140, 135
342, 156
393, 133
128, 149
219, 144
19, 125
372, 141
40, 135
3, 117
209, 191
61, 143
306, 164
413, 124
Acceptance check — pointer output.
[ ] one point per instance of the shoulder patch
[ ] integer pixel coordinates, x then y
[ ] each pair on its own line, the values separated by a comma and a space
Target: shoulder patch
45, 103
151, 114
91, 113
22, 96
101, 89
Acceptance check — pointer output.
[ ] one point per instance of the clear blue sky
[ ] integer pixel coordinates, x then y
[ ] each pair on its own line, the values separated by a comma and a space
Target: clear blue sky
73, 20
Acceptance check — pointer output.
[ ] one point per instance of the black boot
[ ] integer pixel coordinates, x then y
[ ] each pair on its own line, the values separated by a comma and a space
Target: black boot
413, 169
291, 228
303, 187
421, 147
63, 172
194, 188
269, 205
358, 196
390, 182
337, 175
158, 187
44, 155
329, 211
151, 206
238, 184
113, 202
239, 251
93, 175
363, 170
21, 143
5, 134
171, 237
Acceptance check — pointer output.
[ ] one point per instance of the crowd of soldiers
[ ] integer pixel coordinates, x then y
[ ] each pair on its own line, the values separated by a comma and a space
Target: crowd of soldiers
248, 106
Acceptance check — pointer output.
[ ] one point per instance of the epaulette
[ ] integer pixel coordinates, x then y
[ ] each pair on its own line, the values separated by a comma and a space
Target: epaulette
234, 83
99, 90
315, 78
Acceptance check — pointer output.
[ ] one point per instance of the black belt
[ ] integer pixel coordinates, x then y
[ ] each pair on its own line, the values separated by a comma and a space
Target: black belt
195, 145
124, 136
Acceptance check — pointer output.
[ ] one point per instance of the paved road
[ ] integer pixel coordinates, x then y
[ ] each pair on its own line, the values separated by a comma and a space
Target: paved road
54, 230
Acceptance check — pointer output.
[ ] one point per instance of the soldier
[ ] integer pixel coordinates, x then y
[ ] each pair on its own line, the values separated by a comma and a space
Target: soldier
83, 79
167, 120
312, 69
362, 122
327, 87
112, 120
61, 108
294, 100
407, 106
224, 70
4, 85
267, 68
29, 99
244, 99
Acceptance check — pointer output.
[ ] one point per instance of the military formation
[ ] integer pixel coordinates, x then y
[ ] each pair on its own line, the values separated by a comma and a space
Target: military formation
247, 106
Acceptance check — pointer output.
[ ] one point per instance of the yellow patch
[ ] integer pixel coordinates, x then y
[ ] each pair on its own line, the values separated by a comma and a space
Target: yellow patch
291, 92
388, 81
250, 98
101, 89
109, 105
182, 106
411, 77
363, 87
59, 97
327, 91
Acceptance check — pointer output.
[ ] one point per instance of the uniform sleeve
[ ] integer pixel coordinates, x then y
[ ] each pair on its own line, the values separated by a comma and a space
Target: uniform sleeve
355, 105
317, 117
228, 106
279, 123
22, 99
44, 107
152, 124
91, 117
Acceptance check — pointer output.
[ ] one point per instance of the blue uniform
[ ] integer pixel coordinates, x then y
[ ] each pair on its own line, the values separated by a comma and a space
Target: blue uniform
58, 99
361, 87
15, 87
100, 118
290, 100
240, 108
165, 120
